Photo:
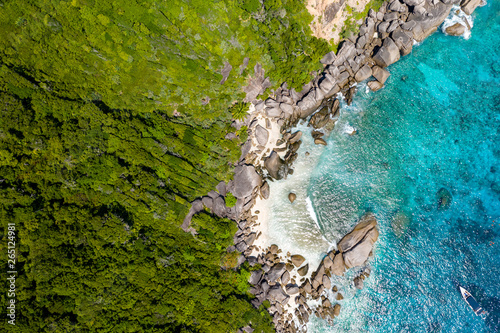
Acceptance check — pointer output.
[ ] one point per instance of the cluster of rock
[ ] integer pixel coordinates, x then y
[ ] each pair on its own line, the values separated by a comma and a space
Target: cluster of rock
245, 185
383, 38
284, 282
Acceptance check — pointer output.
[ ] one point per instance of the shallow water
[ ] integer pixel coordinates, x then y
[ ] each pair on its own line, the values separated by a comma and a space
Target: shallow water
434, 129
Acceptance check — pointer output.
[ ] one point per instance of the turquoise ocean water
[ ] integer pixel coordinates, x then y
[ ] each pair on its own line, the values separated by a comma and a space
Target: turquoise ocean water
434, 129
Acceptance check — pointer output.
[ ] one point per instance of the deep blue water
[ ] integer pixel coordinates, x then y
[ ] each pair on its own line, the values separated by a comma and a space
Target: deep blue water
436, 125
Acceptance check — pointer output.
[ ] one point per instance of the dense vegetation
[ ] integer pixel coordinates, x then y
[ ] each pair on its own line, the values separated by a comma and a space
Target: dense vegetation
112, 119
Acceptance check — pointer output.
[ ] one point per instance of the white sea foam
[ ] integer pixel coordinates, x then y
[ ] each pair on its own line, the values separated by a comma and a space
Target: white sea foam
294, 226
311, 211
458, 16
349, 129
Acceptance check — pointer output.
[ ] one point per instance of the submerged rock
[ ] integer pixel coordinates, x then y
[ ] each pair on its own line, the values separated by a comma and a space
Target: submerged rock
400, 223
444, 198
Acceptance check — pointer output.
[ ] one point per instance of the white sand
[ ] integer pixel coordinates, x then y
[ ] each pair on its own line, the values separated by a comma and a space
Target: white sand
261, 226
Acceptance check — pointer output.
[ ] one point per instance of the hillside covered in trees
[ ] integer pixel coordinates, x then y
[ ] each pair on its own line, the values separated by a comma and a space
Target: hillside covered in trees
113, 119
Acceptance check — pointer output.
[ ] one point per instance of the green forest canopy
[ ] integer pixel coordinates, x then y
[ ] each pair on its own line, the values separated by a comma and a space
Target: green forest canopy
106, 136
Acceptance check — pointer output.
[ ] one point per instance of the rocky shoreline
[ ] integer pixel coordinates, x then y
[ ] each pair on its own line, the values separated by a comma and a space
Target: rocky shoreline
282, 280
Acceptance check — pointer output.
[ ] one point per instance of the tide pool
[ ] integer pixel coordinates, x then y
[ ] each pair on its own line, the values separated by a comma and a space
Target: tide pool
426, 161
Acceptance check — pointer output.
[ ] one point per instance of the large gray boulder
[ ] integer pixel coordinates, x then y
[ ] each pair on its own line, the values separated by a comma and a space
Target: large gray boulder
328, 263
255, 277
308, 104
427, 18
327, 83
219, 207
338, 265
380, 74
367, 223
328, 59
207, 202
326, 282
382, 27
292, 289
397, 6
375, 85
364, 73
275, 272
387, 54
277, 294
250, 238
358, 255
333, 70
347, 51
261, 134
274, 111
285, 277
403, 41
275, 166
468, 6
367, 29
221, 188
287, 108
393, 26
343, 78
244, 181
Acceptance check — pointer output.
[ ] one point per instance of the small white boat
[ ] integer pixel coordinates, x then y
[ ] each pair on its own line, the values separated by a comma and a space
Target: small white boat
478, 310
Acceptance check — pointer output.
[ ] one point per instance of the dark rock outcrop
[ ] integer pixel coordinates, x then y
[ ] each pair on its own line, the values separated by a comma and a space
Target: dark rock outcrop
444, 198
275, 166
